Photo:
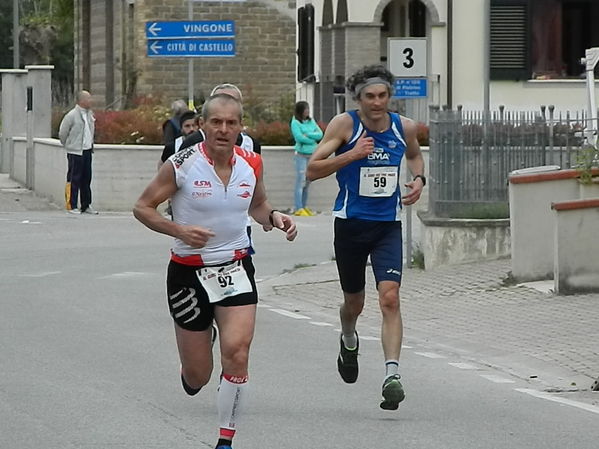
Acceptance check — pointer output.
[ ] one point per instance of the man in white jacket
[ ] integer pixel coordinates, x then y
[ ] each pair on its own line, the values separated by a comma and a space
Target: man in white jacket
76, 134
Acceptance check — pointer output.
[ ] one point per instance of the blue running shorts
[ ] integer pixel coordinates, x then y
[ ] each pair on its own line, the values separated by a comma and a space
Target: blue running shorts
355, 240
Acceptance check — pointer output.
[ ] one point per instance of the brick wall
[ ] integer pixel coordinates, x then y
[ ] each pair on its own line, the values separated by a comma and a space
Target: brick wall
264, 66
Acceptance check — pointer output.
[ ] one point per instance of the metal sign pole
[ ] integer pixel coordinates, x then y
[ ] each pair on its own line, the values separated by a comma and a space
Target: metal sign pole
408, 61
190, 88
29, 152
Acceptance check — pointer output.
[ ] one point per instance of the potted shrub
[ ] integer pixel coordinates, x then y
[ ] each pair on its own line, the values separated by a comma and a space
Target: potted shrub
587, 164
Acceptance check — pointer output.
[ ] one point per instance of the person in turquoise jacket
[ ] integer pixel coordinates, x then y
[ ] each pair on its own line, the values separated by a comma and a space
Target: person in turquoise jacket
306, 134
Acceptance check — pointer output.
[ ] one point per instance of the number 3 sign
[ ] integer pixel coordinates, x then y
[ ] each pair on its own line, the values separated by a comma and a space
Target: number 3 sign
407, 56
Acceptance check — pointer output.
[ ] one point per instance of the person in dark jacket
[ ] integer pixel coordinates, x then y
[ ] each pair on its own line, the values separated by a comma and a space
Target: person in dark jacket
188, 124
171, 128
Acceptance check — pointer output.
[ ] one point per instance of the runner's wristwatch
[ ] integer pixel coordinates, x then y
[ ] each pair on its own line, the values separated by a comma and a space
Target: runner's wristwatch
421, 177
270, 216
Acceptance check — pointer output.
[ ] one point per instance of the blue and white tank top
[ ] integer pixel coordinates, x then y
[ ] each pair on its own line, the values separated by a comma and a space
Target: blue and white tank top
369, 188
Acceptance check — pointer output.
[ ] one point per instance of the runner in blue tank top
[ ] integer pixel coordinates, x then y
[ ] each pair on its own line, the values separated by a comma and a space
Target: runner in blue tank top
368, 187
369, 144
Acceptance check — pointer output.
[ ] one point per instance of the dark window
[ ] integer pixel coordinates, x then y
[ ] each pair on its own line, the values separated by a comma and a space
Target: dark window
392, 14
417, 13
305, 51
341, 12
327, 13
541, 39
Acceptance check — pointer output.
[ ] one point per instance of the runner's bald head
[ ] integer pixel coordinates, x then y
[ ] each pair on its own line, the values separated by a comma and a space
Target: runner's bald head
219, 98
227, 88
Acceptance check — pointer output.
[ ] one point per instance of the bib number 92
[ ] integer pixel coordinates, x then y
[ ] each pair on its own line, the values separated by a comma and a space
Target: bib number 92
225, 281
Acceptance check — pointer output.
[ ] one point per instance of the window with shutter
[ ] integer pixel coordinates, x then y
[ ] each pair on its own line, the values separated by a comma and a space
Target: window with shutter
541, 39
510, 40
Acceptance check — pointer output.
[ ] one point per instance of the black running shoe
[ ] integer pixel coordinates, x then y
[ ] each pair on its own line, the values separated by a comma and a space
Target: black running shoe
347, 361
189, 390
223, 444
393, 393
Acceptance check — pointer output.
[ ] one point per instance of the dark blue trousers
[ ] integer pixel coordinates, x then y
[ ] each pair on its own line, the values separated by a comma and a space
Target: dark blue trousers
79, 179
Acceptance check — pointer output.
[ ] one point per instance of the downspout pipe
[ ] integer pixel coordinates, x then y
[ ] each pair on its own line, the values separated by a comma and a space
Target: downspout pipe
450, 54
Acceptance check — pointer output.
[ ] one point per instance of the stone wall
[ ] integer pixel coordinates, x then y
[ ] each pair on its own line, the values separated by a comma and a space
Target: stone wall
121, 172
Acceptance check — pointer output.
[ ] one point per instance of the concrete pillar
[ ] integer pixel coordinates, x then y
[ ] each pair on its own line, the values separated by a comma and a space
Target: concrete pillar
40, 78
362, 47
14, 118
339, 55
325, 109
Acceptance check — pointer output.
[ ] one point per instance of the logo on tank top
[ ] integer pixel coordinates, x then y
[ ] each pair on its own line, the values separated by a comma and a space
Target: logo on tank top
245, 194
201, 194
378, 155
391, 144
182, 156
202, 184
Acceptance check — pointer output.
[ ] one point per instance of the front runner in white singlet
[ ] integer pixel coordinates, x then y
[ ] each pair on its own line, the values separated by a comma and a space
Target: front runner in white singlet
213, 187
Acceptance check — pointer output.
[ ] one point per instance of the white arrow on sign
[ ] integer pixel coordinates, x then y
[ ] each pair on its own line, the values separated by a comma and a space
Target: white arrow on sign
155, 47
154, 28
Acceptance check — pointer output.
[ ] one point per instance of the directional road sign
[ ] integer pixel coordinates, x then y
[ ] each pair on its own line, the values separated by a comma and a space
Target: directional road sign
190, 29
410, 88
191, 48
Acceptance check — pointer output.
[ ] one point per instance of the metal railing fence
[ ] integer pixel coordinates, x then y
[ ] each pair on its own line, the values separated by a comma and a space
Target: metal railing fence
471, 156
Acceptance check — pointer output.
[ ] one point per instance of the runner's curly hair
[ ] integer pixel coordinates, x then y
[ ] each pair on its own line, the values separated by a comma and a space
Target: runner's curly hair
366, 72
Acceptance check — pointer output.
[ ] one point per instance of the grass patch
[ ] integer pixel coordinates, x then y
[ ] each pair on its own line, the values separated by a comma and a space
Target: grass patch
417, 258
509, 280
482, 211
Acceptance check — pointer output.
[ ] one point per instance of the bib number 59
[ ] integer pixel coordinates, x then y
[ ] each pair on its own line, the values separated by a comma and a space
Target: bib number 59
380, 181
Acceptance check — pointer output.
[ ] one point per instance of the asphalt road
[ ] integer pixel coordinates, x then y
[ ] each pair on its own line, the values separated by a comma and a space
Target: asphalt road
88, 359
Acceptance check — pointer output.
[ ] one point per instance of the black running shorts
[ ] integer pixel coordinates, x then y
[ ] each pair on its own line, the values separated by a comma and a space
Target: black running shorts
188, 301
357, 239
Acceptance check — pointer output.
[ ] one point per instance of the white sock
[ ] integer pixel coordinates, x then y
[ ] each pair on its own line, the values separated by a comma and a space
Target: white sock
230, 397
391, 368
350, 340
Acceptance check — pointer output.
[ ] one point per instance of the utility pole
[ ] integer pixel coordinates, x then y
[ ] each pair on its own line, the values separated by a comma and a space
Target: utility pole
487, 58
16, 51
487, 90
